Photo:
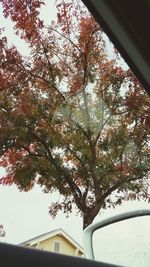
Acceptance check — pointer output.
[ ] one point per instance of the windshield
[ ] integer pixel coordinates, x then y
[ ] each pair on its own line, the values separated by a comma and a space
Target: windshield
74, 126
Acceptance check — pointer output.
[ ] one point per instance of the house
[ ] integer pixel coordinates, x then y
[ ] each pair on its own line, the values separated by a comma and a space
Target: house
57, 241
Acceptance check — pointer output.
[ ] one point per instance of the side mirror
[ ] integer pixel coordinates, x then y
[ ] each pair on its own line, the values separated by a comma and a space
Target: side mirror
122, 240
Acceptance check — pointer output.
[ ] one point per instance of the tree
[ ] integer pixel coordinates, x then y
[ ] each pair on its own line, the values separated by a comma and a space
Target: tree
72, 119
2, 231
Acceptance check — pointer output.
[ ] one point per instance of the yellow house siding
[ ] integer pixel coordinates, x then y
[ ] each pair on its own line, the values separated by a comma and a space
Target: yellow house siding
47, 244
65, 246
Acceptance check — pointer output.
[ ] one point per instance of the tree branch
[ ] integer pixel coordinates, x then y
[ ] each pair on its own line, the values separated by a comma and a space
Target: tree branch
116, 185
78, 158
99, 133
64, 36
61, 171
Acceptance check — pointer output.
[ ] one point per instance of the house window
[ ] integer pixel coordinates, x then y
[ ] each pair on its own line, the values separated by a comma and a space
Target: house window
57, 246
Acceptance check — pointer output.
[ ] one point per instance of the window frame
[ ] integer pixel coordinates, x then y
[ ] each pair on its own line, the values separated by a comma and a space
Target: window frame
54, 247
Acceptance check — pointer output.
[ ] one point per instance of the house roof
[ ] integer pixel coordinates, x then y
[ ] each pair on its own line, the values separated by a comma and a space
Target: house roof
47, 235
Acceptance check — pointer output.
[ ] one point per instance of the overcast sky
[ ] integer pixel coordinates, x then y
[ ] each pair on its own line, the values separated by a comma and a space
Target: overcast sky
25, 214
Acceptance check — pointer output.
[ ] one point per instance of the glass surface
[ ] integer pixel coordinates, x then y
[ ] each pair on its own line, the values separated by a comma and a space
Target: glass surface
126, 243
73, 124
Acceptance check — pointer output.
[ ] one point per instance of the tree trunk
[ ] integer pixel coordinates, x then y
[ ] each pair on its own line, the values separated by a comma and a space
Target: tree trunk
87, 220
90, 215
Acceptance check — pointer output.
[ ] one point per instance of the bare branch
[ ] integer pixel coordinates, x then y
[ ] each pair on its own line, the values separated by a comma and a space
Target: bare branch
61, 170
99, 133
117, 185
65, 37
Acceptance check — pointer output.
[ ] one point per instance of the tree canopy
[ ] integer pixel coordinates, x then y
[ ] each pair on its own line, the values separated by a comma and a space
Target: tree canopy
71, 118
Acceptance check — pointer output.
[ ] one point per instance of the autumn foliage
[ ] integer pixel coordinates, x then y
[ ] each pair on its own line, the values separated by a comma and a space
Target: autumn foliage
71, 118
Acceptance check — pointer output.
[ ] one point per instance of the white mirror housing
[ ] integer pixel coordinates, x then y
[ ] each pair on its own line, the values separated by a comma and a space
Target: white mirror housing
90, 230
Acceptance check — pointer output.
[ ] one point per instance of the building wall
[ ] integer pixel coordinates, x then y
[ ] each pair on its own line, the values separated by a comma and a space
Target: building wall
65, 247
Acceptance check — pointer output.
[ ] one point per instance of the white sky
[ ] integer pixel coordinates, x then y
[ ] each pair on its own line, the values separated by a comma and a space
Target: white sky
25, 214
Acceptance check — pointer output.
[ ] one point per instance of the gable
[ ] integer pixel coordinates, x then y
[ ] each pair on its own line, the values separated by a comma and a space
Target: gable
65, 246
46, 242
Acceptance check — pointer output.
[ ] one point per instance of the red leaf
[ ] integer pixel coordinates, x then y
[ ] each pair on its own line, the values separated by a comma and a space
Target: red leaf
7, 180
